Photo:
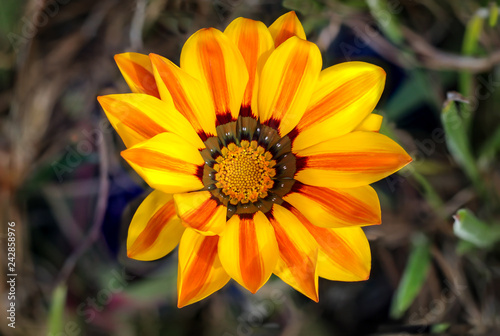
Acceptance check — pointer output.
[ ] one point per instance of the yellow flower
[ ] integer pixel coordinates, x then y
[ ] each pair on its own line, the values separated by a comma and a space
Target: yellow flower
258, 158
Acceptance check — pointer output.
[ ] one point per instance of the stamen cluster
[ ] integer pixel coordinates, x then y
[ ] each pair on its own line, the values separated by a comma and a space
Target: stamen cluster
245, 172
248, 166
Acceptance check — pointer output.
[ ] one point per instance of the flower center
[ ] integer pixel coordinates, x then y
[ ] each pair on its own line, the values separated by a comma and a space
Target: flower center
245, 172
248, 166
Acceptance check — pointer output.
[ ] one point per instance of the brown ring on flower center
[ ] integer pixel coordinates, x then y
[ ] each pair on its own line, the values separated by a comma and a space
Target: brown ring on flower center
248, 166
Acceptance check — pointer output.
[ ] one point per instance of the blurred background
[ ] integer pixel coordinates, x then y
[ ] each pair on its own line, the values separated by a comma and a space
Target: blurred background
436, 257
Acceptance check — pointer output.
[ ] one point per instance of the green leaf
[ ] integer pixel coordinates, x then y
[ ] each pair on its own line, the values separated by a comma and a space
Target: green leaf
473, 32
386, 21
470, 47
413, 278
491, 147
56, 313
440, 328
10, 16
493, 14
469, 228
455, 127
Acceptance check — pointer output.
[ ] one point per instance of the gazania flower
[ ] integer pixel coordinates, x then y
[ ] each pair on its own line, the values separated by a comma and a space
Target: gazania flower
261, 161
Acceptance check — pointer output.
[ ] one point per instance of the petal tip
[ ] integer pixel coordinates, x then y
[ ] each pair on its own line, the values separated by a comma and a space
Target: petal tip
134, 255
405, 160
253, 290
118, 58
103, 99
381, 71
153, 56
181, 303
124, 154
292, 14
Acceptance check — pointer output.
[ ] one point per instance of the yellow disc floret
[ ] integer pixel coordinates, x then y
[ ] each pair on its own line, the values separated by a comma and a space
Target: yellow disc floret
245, 172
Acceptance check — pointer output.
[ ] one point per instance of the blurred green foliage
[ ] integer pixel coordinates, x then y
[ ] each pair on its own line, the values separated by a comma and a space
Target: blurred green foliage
57, 311
441, 228
469, 228
414, 276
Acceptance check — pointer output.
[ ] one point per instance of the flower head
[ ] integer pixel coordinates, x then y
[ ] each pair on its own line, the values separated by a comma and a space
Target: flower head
261, 161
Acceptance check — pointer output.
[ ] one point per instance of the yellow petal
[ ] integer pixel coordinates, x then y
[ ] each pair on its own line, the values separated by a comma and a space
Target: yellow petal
371, 123
138, 117
201, 212
287, 83
138, 73
344, 253
186, 93
200, 271
211, 57
248, 250
298, 253
344, 95
352, 160
168, 163
155, 229
336, 208
255, 44
286, 26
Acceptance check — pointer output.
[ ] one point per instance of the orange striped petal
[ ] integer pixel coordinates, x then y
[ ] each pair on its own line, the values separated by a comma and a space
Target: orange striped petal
155, 229
168, 163
248, 250
372, 123
211, 57
138, 117
286, 26
344, 253
255, 44
352, 160
201, 212
186, 93
345, 94
287, 83
200, 270
336, 208
138, 73
298, 253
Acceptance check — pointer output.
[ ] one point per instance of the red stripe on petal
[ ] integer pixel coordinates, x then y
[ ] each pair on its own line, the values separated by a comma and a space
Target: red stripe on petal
333, 245
215, 70
337, 100
150, 159
251, 267
249, 42
142, 78
176, 90
369, 162
342, 206
155, 225
300, 264
199, 268
131, 117
290, 26
200, 217
290, 82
